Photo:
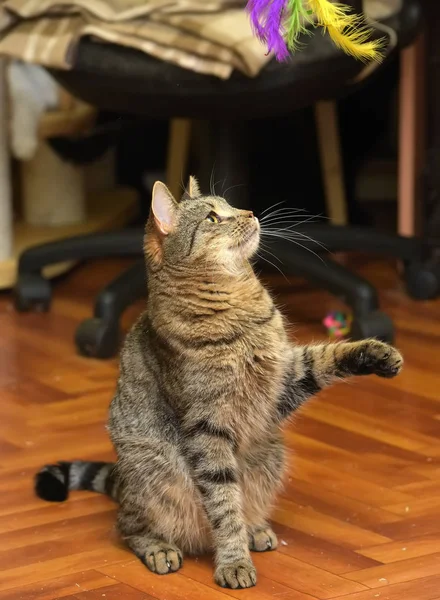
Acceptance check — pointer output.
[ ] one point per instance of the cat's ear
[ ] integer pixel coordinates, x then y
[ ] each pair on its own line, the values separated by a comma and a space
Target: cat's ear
192, 190
163, 208
193, 187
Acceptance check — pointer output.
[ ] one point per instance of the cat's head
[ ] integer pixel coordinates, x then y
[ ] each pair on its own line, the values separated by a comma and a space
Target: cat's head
198, 230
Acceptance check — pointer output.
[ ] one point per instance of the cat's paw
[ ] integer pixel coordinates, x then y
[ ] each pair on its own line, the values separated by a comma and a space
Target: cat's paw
375, 357
236, 575
262, 540
162, 558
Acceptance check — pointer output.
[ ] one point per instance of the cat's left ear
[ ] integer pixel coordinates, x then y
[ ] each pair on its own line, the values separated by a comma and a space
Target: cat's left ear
163, 208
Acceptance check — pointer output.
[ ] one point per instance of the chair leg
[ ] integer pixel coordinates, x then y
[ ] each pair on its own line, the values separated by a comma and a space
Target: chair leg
411, 136
99, 337
177, 158
32, 291
356, 292
326, 117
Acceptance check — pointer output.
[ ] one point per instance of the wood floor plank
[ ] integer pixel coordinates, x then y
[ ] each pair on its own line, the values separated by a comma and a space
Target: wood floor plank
308, 520
303, 577
417, 507
321, 553
201, 570
57, 567
176, 586
61, 587
410, 527
398, 572
336, 505
120, 591
420, 589
403, 549
352, 486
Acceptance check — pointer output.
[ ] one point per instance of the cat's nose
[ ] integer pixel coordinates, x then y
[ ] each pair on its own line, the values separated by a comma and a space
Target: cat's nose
249, 214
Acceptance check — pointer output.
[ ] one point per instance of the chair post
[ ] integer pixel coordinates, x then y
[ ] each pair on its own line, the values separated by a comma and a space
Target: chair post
177, 157
224, 160
411, 136
326, 118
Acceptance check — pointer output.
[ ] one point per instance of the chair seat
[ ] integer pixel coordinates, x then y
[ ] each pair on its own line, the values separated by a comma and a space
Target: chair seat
125, 80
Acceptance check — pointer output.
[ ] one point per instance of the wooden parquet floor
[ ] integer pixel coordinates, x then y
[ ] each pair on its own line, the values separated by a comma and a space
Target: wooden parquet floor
359, 518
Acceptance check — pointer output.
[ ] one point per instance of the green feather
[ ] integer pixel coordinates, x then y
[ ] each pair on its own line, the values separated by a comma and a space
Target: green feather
296, 22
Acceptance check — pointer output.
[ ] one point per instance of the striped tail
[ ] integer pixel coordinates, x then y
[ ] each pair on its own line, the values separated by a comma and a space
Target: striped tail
54, 482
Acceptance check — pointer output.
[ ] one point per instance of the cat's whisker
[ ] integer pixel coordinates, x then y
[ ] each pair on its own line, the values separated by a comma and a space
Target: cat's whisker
211, 179
310, 219
282, 212
273, 265
288, 221
285, 233
270, 207
282, 209
293, 241
310, 239
232, 187
264, 248
182, 185
280, 221
293, 218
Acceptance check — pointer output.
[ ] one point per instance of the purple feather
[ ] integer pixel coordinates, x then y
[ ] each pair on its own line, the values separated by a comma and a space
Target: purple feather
266, 20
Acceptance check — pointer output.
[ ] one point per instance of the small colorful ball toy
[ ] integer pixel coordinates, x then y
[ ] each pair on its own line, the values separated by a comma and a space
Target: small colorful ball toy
338, 324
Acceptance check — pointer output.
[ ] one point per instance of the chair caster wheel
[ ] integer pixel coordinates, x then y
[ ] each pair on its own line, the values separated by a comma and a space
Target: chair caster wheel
32, 292
95, 338
422, 280
374, 325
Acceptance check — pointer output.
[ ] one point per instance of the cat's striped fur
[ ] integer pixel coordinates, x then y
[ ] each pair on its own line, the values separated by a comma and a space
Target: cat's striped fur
208, 377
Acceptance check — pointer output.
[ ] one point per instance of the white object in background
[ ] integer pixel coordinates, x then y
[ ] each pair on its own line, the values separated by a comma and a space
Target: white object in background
32, 92
52, 189
6, 231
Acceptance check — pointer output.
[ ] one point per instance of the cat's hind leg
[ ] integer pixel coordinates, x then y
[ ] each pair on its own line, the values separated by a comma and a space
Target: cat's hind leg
159, 555
160, 516
262, 538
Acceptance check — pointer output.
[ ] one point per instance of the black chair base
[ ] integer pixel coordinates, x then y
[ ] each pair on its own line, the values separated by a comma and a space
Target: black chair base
99, 336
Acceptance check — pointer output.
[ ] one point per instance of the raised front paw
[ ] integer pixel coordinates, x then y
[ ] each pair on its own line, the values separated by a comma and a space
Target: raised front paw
162, 558
239, 574
374, 357
262, 540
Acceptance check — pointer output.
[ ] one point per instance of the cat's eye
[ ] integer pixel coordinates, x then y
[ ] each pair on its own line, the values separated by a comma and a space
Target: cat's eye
213, 217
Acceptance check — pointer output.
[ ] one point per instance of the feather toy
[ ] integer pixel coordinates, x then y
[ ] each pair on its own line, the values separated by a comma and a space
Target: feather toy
280, 24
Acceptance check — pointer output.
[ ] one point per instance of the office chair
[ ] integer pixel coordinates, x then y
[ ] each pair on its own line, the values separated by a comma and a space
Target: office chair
127, 81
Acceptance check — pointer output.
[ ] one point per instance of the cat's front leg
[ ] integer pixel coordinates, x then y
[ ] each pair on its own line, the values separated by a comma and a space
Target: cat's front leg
317, 366
210, 450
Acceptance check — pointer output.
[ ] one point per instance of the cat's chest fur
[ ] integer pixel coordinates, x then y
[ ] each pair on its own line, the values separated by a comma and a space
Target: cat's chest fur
221, 351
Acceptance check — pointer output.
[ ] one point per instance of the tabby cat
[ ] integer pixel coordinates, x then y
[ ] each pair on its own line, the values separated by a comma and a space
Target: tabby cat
208, 378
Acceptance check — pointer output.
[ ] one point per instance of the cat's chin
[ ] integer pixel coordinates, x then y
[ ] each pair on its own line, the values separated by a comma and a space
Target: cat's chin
248, 247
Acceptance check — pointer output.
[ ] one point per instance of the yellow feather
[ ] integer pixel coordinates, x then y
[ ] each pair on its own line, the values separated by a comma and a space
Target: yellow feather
329, 13
348, 31
356, 43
